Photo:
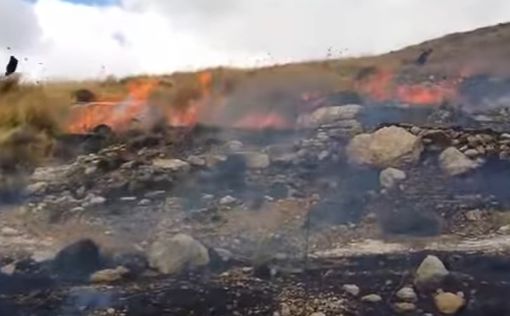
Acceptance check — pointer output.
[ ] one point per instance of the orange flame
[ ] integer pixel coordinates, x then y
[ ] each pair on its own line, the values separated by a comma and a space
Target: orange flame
381, 87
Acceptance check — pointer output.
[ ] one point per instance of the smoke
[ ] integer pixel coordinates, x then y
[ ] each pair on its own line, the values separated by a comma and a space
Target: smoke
159, 36
19, 28
301, 29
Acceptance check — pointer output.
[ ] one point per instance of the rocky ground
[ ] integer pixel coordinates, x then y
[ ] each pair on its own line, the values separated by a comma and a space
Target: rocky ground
338, 216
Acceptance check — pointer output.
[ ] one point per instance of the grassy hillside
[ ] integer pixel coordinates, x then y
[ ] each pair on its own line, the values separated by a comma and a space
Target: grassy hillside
41, 109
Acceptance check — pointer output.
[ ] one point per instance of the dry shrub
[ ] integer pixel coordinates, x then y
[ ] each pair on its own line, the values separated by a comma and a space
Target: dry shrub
29, 120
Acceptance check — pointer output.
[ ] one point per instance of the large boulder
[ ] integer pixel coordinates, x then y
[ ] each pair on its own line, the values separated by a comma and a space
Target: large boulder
173, 255
329, 115
387, 147
430, 273
453, 162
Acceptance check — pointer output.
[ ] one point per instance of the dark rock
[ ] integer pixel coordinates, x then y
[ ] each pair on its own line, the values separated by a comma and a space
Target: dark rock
78, 260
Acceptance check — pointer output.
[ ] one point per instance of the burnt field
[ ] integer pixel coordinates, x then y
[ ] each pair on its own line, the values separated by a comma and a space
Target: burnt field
243, 290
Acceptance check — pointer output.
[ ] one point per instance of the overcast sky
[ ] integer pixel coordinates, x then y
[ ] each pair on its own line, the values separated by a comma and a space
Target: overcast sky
94, 38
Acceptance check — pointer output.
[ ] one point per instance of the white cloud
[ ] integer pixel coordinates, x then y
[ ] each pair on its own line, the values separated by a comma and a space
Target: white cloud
165, 35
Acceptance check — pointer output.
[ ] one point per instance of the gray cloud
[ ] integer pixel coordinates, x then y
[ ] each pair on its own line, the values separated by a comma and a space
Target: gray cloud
306, 29
19, 28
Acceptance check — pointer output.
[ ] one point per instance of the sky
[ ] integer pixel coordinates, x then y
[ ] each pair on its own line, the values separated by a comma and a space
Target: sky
80, 39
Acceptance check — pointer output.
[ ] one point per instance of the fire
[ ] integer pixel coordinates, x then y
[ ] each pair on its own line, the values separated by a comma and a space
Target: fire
381, 87
263, 121
118, 115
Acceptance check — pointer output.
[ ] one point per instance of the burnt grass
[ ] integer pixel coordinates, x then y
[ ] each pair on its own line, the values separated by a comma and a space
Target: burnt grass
484, 279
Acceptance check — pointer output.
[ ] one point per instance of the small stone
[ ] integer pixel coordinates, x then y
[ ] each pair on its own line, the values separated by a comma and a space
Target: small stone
77, 209
474, 215
351, 289
318, 314
371, 298
9, 231
109, 275
196, 161
110, 311
255, 160
228, 200
128, 199
402, 308
144, 202
97, 200
505, 136
175, 165
449, 303
8, 269
90, 170
234, 145
37, 188
407, 294
472, 153
285, 310
430, 273
390, 177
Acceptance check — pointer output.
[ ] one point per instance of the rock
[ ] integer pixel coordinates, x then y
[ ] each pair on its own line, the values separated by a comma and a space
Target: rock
430, 273
196, 161
407, 294
387, 147
37, 188
9, 231
472, 153
255, 160
109, 275
285, 310
371, 298
175, 165
97, 200
449, 303
9, 269
453, 162
172, 255
224, 254
403, 308
227, 200
504, 229
234, 145
474, 215
351, 289
77, 260
390, 177
144, 202
318, 314
328, 115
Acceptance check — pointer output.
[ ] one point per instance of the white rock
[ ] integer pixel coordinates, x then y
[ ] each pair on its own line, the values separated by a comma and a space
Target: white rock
328, 115
234, 145
390, 177
407, 294
228, 200
351, 289
453, 162
371, 298
172, 255
387, 147
430, 272
37, 188
175, 165
97, 200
